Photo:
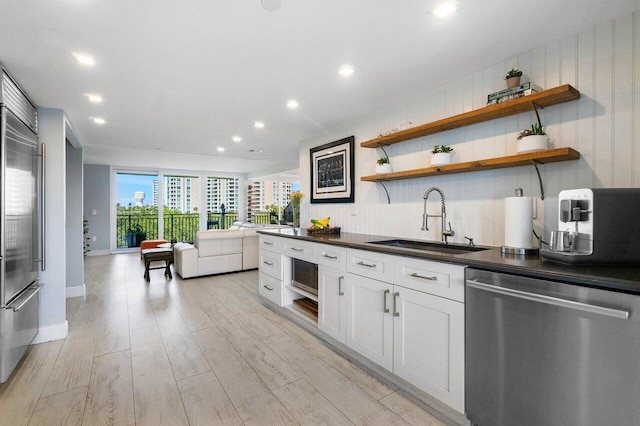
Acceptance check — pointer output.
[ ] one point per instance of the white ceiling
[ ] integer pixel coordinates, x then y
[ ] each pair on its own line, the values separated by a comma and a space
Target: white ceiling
185, 76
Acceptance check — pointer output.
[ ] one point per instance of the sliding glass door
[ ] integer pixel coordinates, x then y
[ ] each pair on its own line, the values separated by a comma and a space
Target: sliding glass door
136, 208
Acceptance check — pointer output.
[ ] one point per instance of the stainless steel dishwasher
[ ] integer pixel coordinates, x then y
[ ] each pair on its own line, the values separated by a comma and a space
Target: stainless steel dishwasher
548, 353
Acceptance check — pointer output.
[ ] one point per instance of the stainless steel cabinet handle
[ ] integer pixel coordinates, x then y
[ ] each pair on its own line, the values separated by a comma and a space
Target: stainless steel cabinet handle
395, 310
416, 275
296, 249
269, 243
268, 287
329, 257
361, 263
268, 263
340, 292
384, 297
548, 300
35, 291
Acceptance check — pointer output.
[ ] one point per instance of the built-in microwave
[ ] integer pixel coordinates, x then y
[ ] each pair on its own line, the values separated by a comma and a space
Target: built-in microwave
305, 276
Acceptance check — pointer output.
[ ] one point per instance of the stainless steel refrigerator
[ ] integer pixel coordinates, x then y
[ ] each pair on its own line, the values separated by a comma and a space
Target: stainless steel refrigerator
20, 228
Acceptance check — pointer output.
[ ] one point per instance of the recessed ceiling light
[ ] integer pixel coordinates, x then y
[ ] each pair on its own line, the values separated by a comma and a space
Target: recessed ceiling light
220, 149
444, 10
98, 120
292, 104
84, 59
258, 124
271, 5
346, 70
236, 139
96, 99
266, 159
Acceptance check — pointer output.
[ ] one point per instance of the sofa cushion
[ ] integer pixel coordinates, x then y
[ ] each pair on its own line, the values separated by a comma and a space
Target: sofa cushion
219, 242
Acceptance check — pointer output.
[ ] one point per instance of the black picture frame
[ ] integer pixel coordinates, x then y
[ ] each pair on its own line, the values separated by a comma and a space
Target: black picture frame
332, 172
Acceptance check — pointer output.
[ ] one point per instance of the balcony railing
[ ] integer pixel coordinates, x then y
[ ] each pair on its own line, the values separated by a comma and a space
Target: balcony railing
131, 228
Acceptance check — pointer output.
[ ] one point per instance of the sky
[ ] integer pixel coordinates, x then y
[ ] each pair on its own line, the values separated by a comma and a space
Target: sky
128, 184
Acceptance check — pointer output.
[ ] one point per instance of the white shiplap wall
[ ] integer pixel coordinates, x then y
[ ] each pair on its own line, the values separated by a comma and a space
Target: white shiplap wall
602, 64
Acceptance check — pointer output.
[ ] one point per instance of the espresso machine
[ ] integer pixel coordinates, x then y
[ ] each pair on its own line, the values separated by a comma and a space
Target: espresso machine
597, 226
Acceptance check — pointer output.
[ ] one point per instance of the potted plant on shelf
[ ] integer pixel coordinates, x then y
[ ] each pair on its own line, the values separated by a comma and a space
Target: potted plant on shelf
532, 140
513, 77
441, 154
384, 166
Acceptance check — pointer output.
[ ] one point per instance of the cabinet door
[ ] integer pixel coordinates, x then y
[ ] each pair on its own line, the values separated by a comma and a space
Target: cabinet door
332, 314
429, 344
369, 319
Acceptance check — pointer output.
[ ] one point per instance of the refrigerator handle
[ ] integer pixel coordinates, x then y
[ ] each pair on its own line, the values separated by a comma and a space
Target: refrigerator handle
34, 290
43, 222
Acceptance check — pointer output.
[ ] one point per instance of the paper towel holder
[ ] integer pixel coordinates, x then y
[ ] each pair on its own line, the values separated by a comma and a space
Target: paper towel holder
518, 250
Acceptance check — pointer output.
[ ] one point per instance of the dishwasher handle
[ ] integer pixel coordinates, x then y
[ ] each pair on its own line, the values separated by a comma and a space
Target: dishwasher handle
549, 300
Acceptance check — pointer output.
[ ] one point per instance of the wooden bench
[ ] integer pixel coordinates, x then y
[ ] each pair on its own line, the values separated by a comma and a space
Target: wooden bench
147, 244
157, 255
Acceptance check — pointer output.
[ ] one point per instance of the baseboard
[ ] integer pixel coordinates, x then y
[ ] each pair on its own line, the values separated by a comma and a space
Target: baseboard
76, 291
99, 252
51, 333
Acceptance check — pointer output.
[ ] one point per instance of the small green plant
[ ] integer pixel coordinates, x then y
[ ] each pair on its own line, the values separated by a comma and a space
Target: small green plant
536, 129
513, 72
441, 148
383, 160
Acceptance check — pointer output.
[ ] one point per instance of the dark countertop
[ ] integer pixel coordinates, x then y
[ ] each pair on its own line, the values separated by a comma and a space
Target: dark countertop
622, 278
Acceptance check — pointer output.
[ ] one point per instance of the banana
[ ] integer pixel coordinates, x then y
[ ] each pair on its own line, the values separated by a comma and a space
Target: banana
321, 223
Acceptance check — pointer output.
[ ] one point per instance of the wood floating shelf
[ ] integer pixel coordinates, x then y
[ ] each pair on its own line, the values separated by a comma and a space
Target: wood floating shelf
545, 98
548, 156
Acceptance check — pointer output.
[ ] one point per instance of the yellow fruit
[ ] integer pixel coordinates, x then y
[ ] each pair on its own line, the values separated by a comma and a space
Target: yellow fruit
321, 223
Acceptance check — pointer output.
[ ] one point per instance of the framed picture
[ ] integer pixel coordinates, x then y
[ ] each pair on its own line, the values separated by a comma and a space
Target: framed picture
332, 168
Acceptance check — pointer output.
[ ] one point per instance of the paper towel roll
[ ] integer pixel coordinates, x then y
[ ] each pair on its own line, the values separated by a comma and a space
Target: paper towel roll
518, 222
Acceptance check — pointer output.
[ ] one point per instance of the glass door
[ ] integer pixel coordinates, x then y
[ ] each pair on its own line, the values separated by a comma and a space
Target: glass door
137, 196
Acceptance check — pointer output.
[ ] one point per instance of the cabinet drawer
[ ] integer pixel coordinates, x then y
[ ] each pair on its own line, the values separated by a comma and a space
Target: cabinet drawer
270, 288
370, 264
332, 256
271, 264
301, 250
439, 279
270, 243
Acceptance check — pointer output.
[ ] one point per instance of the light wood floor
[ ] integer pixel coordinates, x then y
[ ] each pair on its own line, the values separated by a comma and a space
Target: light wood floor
202, 351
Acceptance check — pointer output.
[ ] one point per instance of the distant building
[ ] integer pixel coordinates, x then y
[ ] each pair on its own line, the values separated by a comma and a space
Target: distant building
182, 193
262, 194
139, 197
222, 191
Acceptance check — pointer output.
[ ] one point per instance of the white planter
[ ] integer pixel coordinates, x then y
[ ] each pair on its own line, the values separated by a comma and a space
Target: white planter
441, 158
532, 143
384, 168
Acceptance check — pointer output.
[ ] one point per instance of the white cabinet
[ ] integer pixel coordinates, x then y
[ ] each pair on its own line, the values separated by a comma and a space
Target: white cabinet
404, 314
412, 324
332, 314
369, 322
428, 333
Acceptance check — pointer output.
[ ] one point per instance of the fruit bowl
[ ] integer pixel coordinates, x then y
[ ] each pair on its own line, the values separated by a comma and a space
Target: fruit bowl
323, 230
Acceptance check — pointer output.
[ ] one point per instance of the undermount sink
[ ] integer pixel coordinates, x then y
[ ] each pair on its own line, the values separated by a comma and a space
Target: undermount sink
429, 246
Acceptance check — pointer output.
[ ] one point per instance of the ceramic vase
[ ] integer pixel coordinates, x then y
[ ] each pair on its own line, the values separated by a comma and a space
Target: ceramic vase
513, 82
440, 158
383, 168
532, 143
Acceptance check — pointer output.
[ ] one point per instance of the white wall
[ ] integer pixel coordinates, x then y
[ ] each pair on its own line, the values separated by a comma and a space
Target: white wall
73, 221
604, 126
52, 316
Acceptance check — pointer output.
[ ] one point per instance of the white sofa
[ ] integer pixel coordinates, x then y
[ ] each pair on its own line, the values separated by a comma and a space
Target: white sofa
218, 251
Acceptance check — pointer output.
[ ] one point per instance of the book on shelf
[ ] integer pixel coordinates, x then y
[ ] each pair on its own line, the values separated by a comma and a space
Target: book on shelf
521, 88
511, 97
